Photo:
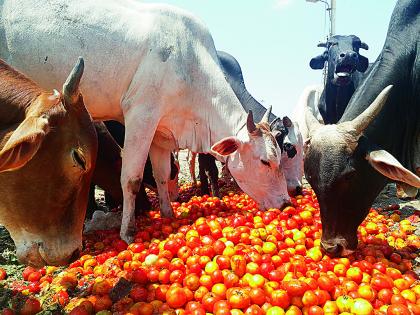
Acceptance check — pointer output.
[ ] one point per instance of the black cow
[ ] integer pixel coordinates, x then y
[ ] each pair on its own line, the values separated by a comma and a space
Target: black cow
233, 74
348, 164
108, 169
345, 68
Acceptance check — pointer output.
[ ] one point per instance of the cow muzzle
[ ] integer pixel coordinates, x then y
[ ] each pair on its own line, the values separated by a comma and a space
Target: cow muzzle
337, 248
346, 65
59, 256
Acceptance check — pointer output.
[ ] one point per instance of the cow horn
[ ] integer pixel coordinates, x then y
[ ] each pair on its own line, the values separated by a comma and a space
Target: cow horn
311, 122
71, 86
361, 122
274, 122
322, 44
250, 125
266, 115
363, 45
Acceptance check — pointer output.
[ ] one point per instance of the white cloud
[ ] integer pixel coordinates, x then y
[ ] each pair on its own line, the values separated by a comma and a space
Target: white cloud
281, 4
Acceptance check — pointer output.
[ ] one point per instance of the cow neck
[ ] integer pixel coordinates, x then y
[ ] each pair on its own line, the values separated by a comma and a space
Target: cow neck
226, 123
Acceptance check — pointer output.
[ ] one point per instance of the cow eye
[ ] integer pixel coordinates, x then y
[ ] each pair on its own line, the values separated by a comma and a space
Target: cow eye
266, 163
78, 158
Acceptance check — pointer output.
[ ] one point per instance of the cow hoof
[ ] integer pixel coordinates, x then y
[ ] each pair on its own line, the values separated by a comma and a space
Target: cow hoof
165, 214
128, 236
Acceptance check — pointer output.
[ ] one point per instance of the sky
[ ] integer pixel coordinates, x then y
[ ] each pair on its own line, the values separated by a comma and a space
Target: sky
274, 40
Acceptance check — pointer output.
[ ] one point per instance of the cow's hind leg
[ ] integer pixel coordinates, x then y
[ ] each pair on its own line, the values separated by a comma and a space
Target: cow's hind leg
140, 129
213, 175
202, 168
161, 164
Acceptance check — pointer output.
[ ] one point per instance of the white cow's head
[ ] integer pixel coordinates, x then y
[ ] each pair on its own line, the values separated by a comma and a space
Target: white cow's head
255, 163
292, 157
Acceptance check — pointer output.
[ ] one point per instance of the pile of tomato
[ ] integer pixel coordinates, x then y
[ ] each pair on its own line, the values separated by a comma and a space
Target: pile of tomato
225, 256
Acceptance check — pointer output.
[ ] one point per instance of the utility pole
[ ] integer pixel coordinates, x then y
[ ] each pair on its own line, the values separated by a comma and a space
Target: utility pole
331, 9
332, 17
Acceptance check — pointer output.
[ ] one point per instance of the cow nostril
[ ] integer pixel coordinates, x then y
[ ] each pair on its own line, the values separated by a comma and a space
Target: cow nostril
342, 55
298, 190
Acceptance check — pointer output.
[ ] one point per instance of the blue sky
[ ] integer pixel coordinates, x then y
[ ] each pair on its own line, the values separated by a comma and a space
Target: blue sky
274, 40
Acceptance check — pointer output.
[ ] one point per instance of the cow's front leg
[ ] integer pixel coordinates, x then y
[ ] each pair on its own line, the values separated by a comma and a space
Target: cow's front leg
138, 137
191, 164
161, 164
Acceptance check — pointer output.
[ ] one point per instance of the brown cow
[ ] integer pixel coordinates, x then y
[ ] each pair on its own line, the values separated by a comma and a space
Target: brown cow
48, 149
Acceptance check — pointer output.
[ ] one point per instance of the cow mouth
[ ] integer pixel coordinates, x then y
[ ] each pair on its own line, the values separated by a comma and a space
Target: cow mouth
342, 75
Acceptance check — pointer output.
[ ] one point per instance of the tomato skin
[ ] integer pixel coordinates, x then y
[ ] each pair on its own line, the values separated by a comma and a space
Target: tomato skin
208, 301
296, 287
30, 307
280, 298
257, 296
238, 298
221, 307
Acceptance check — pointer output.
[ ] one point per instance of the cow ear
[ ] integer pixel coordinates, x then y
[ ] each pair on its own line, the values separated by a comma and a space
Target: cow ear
387, 165
318, 62
226, 146
23, 143
363, 63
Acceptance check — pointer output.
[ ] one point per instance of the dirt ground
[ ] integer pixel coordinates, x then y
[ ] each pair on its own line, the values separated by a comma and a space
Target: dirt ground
387, 197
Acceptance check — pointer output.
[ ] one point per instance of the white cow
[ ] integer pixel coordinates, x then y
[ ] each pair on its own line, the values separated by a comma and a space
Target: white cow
292, 162
308, 99
154, 68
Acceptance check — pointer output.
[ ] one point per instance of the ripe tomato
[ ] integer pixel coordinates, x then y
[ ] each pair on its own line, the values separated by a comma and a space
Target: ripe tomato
3, 274
208, 301
257, 296
296, 287
238, 298
309, 298
280, 298
221, 307
176, 297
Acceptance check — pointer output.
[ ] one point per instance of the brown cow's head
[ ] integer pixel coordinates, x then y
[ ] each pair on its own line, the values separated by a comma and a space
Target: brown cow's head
339, 164
47, 154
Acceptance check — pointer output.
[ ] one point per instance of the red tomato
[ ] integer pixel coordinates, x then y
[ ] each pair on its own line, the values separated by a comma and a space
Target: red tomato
3, 274
208, 301
257, 296
398, 309
176, 297
30, 307
296, 287
280, 298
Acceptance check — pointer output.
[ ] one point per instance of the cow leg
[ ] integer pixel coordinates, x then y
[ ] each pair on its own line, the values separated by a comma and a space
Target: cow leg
161, 164
192, 167
213, 175
142, 201
173, 179
138, 137
202, 168
91, 202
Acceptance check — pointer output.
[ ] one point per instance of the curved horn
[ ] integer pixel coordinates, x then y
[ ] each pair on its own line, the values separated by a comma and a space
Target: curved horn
274, 122
311, 122
250, 125
71, 86
266, 115
363, 45
322, 44
361, 122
